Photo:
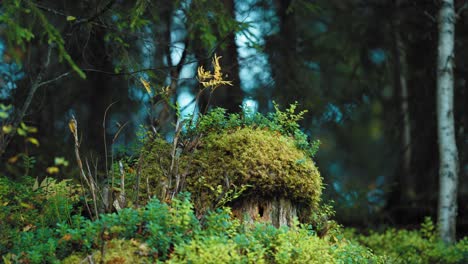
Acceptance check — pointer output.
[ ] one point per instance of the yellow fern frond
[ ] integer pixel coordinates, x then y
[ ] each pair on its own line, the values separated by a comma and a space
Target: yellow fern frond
217, 69
203, 75
212, 80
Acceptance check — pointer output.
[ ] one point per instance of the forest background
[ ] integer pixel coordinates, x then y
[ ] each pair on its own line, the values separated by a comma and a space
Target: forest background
365, 71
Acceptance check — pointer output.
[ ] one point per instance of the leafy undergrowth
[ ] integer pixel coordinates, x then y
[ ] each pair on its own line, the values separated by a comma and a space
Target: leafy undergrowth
415, 246
40, 225
172, 234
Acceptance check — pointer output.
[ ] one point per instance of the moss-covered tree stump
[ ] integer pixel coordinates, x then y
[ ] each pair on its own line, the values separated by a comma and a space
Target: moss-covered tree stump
277, 211
279, 182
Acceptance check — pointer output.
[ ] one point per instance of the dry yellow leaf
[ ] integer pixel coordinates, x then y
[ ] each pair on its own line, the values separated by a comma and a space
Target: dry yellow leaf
52, 170
147, 85
13, 159
73, 125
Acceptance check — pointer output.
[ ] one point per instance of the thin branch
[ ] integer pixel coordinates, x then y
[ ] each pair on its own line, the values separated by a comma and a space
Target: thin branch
50, 10
106, 8
161, 69
20, 115
63, 75
105, 139
93, 189
118, 132
122, 198
96, 15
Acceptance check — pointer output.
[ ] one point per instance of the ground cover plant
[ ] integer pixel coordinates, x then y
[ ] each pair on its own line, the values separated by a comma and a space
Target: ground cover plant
173, 234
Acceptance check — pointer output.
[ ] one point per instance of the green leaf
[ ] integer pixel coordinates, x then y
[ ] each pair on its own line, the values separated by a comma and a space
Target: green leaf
21, 132
71, 18
7, 129
33, 141
23, 126
31, 129
36, 184
5, 107
60, 161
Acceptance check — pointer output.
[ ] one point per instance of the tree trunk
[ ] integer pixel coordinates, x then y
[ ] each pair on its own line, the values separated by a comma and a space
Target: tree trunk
404, 107
276, 211
228, 97
283, 57
405, 181
448, 154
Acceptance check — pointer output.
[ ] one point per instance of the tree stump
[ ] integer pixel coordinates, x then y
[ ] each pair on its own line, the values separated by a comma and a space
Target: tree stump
276, 211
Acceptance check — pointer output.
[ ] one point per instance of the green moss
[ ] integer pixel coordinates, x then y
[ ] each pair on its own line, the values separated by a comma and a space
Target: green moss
115, 251
265, 160
156, 162
269, 163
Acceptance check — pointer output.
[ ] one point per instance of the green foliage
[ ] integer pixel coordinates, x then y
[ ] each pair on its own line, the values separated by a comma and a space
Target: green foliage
266, 244
322, 223
20, 18
295, 247
4, 113
212, 21
285, 122
115, 251
27, 205
171, 233
417, 246
156, 160
16, 35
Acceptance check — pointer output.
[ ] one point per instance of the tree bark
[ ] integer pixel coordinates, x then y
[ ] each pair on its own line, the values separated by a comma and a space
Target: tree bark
405, 181
276, 211
283, 56
448, 154
228, 97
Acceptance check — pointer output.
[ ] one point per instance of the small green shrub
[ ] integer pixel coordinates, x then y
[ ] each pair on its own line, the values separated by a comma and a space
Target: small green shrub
285, 122
29, 205
417, 246
209, 250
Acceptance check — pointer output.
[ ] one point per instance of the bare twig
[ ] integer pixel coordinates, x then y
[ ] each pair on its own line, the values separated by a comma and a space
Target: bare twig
63, 75
93, 187
105, 139
174, 159
122, 199
137, 187
73, 124
118, 132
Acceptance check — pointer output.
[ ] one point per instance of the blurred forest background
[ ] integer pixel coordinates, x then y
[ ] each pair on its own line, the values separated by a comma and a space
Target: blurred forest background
364, 70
